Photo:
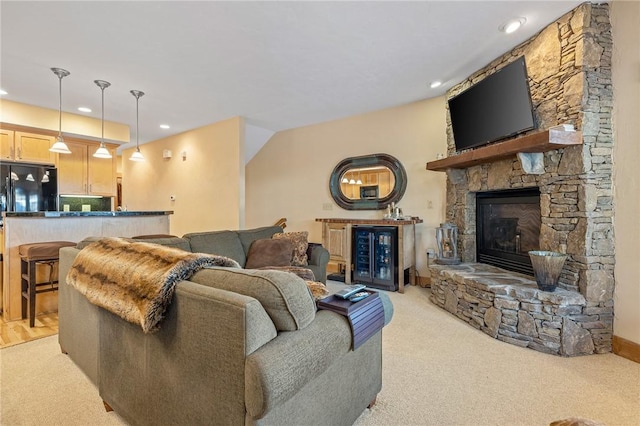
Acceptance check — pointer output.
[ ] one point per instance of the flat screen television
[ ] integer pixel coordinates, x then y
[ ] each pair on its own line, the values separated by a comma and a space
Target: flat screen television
495, 108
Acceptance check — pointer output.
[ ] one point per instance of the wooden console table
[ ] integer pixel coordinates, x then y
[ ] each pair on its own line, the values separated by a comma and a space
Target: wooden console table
336, 237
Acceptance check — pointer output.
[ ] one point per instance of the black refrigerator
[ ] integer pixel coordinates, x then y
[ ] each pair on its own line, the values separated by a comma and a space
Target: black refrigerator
374, 257
28, 188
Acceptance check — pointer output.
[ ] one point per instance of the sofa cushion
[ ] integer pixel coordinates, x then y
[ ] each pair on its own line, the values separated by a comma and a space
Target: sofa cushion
89, 240
303, 272
268, 252
223, 243
175, 242
300, 243
284, 296
248, 236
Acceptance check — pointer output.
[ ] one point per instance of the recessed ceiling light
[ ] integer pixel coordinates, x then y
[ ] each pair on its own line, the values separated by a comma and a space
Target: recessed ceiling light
3, 92
436, 84
512, 25
165, 126
84, 109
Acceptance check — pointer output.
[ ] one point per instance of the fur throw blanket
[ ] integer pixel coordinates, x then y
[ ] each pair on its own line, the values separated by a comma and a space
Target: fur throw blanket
136, 280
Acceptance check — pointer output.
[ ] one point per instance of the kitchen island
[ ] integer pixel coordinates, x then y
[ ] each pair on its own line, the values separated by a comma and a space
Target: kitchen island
34, 227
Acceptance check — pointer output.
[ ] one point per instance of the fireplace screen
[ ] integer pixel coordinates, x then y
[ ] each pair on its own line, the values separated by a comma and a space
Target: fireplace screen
508, 226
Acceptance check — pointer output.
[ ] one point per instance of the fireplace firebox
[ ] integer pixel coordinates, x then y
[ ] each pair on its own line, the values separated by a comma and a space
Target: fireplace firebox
507, 228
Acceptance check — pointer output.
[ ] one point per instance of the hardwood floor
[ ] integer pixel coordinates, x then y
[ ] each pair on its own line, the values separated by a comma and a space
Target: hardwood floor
15, 332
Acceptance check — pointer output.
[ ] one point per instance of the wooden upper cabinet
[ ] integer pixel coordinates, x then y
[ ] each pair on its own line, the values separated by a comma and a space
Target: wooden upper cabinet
26, 147
80, 173
102, 173
6, 144
33, 148
72, 170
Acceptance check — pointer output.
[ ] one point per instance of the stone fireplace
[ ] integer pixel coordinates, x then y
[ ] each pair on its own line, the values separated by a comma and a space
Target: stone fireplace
569, 68
507, 228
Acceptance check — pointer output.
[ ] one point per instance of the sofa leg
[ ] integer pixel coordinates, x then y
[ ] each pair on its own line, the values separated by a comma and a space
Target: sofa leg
107, 407
373, 402
63, 351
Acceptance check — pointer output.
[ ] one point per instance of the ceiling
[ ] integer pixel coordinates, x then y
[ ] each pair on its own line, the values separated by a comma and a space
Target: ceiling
279, 64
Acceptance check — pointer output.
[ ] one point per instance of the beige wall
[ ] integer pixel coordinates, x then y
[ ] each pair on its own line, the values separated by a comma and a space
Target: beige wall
208, 185
625, 21
72, 124
289, 177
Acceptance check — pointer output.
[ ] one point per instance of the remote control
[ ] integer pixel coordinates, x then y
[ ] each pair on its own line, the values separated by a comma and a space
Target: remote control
349, 290
358, 296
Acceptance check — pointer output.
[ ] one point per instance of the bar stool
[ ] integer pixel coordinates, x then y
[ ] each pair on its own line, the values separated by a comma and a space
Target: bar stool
31, 255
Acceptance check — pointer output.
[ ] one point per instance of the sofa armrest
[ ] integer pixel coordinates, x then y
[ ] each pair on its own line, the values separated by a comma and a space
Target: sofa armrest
77, 320
318, 259
278, 370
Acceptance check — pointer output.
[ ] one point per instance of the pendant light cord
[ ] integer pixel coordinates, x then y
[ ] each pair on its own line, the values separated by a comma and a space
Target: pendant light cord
102, 138
102, 151
137, 94
60, 107
137, 124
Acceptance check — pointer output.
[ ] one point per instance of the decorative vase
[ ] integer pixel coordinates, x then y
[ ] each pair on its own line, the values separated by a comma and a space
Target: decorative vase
547, 266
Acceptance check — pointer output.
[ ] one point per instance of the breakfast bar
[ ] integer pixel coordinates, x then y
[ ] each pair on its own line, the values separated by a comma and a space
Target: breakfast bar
34, 227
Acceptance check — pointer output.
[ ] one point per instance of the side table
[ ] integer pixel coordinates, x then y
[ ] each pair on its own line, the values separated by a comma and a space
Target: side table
365, 317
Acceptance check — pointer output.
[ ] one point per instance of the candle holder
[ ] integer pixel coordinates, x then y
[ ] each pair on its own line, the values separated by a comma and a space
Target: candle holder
447, 239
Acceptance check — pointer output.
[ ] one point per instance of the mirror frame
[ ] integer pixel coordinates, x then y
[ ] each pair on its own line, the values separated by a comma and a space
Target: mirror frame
386, 160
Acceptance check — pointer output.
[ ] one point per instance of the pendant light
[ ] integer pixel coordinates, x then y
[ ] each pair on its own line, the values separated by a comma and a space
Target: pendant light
102, 151
59, 146
137, 155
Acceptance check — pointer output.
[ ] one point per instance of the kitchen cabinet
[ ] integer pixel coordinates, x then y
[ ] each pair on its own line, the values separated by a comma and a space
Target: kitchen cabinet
80, 173
26, 147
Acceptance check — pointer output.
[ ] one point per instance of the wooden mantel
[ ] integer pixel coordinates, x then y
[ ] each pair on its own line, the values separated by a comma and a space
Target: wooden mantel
547, 140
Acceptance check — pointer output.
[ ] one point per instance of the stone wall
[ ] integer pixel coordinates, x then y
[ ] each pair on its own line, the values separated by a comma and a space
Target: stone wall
569, 69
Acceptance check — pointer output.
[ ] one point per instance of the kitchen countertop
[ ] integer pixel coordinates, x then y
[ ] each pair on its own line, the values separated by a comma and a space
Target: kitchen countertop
34, 227
86, 214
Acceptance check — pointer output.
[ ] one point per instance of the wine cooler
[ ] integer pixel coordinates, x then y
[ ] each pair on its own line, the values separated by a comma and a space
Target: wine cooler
374, 257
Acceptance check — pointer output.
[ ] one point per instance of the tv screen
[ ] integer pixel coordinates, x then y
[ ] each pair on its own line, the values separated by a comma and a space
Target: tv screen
497, 107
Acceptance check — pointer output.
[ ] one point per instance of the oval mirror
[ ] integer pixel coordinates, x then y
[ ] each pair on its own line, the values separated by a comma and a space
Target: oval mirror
369, 182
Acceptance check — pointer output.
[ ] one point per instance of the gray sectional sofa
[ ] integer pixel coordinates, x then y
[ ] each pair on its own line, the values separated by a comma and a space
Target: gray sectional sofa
236, 244
236, 346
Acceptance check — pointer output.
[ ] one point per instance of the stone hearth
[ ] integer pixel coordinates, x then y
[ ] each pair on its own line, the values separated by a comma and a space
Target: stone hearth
510, 307
569, 69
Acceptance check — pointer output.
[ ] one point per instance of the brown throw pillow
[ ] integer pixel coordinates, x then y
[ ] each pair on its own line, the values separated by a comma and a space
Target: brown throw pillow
300, 244
269, 252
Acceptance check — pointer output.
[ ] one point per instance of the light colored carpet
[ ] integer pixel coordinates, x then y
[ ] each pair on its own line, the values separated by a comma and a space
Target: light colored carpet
436, 371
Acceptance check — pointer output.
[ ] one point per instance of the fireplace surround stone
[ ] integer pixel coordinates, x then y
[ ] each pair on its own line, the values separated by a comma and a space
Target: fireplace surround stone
569, 68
